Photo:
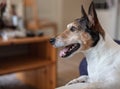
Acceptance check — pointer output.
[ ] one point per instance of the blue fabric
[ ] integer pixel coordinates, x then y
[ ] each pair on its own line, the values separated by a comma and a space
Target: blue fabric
83, 64
117, 41
83, 67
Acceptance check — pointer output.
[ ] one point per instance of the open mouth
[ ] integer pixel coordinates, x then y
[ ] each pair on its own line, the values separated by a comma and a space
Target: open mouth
68, 50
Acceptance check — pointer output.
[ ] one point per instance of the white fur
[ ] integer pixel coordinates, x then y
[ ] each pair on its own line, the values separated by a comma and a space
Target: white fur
69, 25
103, 67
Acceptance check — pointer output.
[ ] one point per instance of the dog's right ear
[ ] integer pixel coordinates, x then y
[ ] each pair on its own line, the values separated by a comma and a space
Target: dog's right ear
83, 12
92, 14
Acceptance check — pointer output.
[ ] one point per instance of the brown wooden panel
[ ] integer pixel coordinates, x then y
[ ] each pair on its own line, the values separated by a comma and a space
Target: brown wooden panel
43, 78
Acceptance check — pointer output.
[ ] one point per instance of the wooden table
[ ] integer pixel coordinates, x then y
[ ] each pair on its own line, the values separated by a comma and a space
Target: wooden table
40, 55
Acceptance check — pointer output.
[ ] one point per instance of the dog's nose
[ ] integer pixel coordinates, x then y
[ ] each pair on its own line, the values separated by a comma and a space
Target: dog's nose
52, 41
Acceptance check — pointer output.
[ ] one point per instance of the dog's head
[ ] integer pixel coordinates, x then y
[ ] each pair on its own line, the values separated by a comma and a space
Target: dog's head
80, 35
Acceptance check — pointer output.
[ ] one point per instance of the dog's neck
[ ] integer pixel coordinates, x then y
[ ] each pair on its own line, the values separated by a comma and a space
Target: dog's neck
104, 48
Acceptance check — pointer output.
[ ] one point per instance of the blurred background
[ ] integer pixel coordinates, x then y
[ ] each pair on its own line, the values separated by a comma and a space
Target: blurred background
31, 21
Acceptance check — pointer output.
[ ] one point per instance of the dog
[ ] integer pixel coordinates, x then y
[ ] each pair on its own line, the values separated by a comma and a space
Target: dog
86, 35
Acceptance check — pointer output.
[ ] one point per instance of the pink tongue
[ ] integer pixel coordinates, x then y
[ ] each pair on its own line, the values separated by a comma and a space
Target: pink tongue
63, 52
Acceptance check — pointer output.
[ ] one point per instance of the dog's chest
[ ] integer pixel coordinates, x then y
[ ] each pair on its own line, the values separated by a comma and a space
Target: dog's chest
107, 69
103, 60
96, 69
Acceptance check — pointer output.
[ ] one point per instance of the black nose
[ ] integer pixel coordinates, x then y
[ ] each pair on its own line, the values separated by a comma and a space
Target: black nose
52, 41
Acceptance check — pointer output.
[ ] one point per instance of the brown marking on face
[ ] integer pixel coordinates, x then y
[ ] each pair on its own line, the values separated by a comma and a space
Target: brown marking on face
76, 24
86, 41
65, 34
68, 33
65, 37
84, 37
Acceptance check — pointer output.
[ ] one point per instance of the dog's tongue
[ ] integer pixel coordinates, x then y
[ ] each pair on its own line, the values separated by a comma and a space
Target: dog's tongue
63, 52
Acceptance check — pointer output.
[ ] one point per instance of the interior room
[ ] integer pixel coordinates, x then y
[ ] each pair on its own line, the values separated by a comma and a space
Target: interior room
27, 59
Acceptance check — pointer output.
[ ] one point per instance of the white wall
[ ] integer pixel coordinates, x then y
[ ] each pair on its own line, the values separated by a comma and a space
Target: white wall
51, 9
47, 9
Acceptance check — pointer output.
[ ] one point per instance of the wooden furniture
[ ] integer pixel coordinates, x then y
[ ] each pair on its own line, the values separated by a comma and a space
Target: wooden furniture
44, 78
33, 59
39, 57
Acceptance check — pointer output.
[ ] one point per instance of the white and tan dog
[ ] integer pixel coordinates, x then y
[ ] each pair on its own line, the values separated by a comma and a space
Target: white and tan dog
86, 35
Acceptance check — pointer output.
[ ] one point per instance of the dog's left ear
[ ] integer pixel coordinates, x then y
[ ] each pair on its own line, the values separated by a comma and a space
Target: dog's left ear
83, 11
92, 15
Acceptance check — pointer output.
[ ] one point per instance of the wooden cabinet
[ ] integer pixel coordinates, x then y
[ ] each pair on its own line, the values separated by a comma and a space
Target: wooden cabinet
39, 57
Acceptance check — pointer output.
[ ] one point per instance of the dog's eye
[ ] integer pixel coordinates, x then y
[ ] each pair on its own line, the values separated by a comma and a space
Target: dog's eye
73, 29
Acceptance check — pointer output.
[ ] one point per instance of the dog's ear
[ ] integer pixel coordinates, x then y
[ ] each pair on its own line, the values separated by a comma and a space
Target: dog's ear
83, 11
92, 14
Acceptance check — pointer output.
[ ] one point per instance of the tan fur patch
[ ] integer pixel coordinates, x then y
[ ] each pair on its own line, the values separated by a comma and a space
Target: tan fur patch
86, 40
65, 36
